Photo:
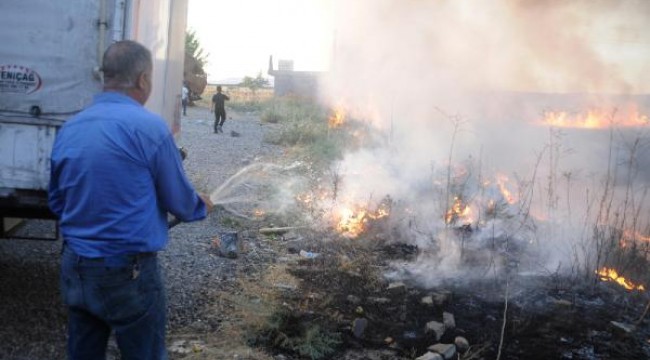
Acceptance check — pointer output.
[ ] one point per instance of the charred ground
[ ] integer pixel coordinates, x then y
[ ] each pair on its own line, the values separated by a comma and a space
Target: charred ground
547, 317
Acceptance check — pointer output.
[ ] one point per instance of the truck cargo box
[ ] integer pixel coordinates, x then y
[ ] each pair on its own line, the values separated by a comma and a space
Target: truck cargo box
50, 70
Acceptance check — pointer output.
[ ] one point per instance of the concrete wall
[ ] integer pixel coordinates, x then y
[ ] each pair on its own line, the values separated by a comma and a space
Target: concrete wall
297, 83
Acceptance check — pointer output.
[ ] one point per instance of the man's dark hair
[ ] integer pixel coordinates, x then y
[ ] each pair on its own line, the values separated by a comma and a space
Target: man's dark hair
123, 62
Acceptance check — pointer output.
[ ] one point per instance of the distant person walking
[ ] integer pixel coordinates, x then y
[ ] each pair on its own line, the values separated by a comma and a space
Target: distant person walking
185, 98
115, 175
219, 109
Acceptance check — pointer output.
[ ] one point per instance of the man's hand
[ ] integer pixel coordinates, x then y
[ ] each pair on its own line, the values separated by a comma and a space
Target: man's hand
206, 200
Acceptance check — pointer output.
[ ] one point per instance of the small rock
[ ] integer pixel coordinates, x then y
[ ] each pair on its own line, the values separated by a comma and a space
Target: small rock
427, 300
448, 351
448, 320
430, 356
180, 347
359, 327
435, 327
441, 298
462, 345
287, 287
353, 299
396, 287
378, 300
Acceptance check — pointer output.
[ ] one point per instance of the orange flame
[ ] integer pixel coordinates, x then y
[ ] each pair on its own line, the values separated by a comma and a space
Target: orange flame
502, 182
457, 211
305, 198
337, 118
634, 236
596, 119
311, 198
352, 222
609, 274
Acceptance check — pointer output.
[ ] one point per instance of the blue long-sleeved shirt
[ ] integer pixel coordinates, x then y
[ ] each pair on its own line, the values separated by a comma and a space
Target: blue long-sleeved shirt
115, 174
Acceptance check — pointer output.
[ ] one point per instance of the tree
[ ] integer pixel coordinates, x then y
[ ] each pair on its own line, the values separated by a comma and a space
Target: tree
195, 59
254, 83
194, 49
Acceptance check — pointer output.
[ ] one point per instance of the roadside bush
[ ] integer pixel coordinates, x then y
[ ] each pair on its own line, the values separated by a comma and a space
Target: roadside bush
325, 150
305, 128
288, 332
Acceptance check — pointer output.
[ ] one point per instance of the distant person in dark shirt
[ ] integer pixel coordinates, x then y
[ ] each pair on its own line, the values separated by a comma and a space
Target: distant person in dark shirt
219, 110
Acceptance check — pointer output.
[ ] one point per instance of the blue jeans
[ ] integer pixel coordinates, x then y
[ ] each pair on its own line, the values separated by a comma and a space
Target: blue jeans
124, 294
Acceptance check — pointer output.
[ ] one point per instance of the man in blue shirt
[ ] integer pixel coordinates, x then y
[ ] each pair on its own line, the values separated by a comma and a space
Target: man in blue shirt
115, 175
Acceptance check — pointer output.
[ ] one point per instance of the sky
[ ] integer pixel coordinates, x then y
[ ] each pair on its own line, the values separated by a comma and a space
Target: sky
241, 35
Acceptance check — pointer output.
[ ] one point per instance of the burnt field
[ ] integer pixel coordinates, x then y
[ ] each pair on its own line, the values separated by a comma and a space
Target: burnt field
515, 316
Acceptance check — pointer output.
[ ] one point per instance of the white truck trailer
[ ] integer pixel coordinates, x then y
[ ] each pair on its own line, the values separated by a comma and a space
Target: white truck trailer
50, 57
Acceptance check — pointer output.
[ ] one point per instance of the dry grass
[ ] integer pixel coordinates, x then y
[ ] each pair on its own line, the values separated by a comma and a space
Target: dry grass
248, 311
241, 98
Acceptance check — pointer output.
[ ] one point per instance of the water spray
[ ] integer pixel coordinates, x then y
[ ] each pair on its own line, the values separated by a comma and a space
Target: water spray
243, 188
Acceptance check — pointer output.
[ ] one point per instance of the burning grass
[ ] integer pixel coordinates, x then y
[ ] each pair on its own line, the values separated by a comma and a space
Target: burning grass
351, 221
597, 118
608, 274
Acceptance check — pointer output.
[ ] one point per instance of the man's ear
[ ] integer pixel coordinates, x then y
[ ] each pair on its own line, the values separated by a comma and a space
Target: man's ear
143, 79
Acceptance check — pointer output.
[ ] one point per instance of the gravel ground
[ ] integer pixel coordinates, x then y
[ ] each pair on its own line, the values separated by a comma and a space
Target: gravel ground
32, 315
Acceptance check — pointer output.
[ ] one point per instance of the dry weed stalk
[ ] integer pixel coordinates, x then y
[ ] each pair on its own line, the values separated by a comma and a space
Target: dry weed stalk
505, 317
457, 122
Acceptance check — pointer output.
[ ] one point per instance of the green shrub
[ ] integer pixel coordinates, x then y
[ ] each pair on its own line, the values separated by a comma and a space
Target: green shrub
305, 128
289, 332
271, 116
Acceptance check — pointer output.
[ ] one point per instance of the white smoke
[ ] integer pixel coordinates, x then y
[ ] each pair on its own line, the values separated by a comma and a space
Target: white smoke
461, 80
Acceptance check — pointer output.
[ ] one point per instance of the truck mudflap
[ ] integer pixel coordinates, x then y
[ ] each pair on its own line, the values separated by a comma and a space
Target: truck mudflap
24, 204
